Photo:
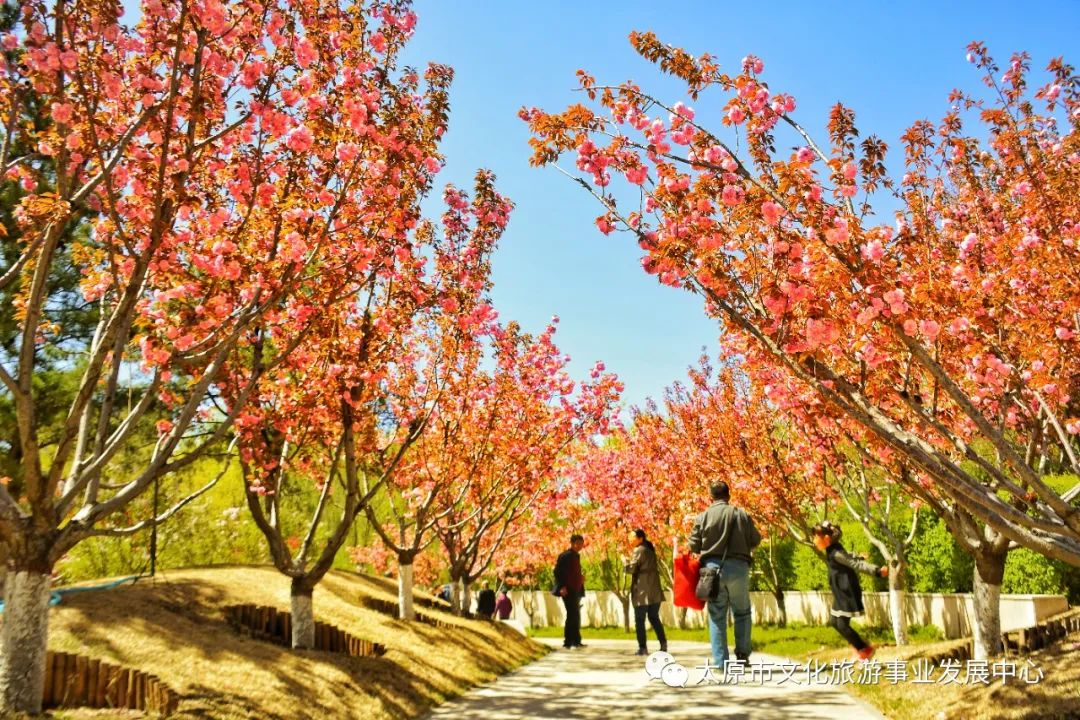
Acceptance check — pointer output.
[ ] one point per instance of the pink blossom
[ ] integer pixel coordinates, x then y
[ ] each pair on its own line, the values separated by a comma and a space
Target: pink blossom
683, 136
378, 42
959, 325
930, 329
1073, 427
62, 112
838, 234
968, 243
866, 316
347, 152
305, 53
682, 111
771, 212
605, 226
805, 155
873, 251
736, 115
895, 301
849, 170
752, 62
820, 332
1064, 333
300, 139
637, 175
732, 195
294, 247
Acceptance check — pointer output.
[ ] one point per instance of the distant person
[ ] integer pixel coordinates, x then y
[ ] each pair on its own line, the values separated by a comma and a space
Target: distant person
485, 603
844, 583
570, 586
503, 606
724, 536
645, 591
445, 594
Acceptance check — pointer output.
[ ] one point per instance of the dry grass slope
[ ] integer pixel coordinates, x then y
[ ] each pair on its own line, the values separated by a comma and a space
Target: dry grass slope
175, 628
1057, 697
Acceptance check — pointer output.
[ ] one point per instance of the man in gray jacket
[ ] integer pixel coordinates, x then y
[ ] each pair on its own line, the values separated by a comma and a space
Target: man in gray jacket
724, 536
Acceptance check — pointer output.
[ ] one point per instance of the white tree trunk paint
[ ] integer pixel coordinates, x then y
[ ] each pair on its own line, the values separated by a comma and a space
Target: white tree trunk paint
303, 621
466, 598
898, 605
405, 592
987, 630
23, 641
455, 597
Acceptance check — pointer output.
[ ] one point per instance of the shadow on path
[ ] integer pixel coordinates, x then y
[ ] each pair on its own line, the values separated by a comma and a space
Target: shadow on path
606, 681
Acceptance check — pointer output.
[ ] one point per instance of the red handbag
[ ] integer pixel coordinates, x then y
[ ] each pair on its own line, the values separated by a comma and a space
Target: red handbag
686, 579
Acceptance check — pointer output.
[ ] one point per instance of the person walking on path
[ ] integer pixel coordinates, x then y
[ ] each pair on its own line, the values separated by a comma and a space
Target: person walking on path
844, 583
485, 603
725, 537
570, 586
645, 591
503, 606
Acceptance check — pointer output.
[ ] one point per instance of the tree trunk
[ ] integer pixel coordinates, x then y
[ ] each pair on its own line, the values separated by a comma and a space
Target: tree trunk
405, 591
680, 618
466, 598
898, 602
781, 606
989, 571
23, 641
303, 615
455, 596
625, 600
528, 599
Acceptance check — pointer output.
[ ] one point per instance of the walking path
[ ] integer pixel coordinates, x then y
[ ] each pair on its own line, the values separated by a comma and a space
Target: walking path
606, 681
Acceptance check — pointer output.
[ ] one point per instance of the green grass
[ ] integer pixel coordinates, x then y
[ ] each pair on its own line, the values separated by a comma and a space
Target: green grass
794, 641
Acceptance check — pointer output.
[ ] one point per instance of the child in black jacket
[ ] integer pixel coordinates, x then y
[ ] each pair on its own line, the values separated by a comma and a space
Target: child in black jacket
844, 583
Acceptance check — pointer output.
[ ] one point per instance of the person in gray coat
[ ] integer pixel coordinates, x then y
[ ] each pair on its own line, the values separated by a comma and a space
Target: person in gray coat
725, 537
645, 591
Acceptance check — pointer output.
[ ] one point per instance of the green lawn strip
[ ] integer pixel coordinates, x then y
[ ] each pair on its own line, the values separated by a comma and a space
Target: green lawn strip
795, 641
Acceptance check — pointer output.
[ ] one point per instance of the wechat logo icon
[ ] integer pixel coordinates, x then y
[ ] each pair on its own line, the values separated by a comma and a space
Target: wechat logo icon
662, 666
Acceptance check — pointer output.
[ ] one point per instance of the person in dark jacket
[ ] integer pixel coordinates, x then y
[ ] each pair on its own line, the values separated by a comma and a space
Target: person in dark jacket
645, 591
844, 583
504, 606
570, 586
485, 603
725, 537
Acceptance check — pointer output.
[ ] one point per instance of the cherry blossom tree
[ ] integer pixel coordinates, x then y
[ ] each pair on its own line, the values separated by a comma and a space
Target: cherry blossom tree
358, 392
433, 477
949, 337
541, 414
234, 158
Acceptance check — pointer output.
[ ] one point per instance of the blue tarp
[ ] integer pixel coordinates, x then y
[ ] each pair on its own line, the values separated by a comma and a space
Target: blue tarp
57, 595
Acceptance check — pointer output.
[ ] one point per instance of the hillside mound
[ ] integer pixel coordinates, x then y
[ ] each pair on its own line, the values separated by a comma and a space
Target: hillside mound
175, 627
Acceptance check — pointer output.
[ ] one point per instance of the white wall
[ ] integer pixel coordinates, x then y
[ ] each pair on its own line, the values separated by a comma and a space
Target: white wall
951, 613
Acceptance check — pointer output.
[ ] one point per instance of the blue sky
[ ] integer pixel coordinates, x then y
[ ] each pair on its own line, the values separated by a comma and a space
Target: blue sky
892, 62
